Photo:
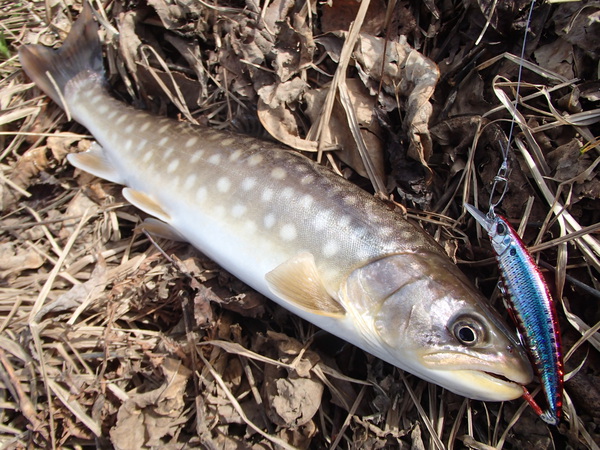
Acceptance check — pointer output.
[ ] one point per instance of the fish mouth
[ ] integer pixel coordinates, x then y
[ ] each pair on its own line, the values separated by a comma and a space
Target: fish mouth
478, 379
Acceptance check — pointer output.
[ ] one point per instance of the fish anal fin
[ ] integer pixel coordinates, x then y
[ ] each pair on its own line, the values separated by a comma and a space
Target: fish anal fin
146, 204
161, 229
95, 162
298, 281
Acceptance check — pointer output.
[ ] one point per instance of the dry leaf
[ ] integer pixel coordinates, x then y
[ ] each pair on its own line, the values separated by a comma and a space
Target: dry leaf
337, 130
15, 259
292, 401
147, 419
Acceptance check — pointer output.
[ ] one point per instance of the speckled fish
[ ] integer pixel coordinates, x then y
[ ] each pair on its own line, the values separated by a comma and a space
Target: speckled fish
304, 237
531, 305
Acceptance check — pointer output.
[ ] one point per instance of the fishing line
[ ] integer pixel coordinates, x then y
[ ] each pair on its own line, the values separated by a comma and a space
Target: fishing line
503, 171
526, 294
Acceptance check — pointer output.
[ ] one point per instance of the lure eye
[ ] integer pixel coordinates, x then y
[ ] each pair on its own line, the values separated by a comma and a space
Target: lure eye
467, 331
501, 228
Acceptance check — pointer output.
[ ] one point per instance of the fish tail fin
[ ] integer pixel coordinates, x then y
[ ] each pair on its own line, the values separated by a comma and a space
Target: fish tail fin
80, 57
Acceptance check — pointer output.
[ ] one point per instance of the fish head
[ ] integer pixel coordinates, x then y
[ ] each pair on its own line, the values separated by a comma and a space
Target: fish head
428, 319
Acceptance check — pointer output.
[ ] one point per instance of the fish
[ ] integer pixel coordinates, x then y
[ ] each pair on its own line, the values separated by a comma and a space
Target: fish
290, 228
532, 308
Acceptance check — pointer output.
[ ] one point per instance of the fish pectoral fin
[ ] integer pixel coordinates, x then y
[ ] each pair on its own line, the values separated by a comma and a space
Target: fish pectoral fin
146, 204
94, 161
161, 229
298, 281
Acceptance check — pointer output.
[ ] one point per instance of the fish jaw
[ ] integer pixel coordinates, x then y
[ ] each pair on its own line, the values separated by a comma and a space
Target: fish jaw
422, 316
482, 380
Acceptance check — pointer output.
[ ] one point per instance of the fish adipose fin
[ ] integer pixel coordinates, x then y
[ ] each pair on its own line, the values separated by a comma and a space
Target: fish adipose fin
79, 57
298, 281
95, 162
146, 204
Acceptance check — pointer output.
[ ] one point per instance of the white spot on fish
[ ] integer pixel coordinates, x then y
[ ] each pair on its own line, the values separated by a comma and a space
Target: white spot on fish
148, 156
172, 167
288, 232
287, 193
322, 220
227, 142
122, 118
176, 180
111, 115
215, 159
267, 195
190, 181
278, 173
102, 109
163, 141
196, 157
248, 183
201, 194
330, 249
386, 231
129, 128
145, 126
213, 136
168, 153
306, 201
223, 184
96, 99
350, 199
269, 221
255, 146
307, 179
164, 128
255, 160
141, 145
128, 144
238, 210
191, 141
235, 155
344, 221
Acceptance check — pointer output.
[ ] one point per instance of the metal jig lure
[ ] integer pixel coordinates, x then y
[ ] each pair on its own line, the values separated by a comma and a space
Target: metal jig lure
531, 307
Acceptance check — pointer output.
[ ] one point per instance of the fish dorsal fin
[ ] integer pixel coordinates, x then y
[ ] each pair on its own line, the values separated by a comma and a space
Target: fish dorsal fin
298, 281
146, 204
161, 229
94, 161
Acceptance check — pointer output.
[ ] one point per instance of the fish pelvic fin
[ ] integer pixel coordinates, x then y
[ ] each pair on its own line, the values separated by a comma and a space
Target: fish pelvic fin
80, 57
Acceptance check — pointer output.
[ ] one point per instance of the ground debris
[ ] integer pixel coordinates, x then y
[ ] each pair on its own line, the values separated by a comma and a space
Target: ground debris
110, 340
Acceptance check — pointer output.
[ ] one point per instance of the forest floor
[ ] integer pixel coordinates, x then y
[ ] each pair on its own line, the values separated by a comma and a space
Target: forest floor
109, 338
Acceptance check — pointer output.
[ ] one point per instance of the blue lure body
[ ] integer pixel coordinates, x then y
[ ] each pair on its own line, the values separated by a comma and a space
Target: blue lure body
531, 307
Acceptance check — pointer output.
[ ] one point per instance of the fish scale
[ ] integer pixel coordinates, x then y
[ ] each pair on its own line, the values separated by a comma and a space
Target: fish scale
291, 229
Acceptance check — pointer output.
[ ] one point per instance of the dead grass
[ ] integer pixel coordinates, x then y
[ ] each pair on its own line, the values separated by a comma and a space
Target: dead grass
107, 341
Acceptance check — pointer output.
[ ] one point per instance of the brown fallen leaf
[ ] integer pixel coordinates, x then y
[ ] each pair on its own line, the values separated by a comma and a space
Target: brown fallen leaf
147, 419
16, 259
337, 130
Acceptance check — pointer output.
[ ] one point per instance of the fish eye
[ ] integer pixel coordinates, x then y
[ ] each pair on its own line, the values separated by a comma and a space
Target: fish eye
467, 331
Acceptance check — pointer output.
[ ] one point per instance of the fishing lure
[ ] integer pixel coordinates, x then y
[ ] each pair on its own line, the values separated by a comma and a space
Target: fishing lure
531, 306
